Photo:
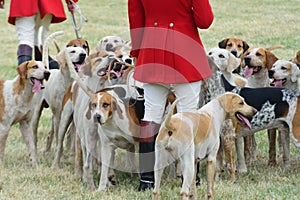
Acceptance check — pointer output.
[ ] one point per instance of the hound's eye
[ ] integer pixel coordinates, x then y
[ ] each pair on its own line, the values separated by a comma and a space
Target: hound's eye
74, 45
93, 105
105, 40
240, 46
209, 53
241, 103
283, 68
73, 51
221, 56
84, 46
229, 45
105, 105
35, 67
115, 41
258, 54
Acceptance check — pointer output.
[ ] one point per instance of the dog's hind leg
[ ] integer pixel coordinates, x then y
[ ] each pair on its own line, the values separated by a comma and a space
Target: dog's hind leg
161, 159
187, 162
50, 137
65, 121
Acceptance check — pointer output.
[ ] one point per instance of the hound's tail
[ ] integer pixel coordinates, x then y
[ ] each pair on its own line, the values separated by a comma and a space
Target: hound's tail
274, 47
46, 47
170, 113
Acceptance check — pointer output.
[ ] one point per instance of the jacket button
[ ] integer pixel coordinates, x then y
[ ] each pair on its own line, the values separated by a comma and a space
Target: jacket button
171, 25
155, 24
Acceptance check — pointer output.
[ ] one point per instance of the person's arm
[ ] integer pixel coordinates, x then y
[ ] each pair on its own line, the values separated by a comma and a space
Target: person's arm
70, 5
136, 24
1, 3
203, 13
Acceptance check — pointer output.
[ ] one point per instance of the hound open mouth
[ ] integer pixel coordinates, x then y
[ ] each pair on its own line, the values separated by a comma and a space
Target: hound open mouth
250, 70
78, 65
278, 82
117, 70
243, 120
37, 84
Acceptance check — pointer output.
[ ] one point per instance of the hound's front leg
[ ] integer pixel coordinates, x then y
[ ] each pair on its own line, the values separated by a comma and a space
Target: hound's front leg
27, 134
107, 150
210, 174
240, 155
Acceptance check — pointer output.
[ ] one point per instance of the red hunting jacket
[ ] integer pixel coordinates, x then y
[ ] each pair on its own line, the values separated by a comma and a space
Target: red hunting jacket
26, 8
166, 42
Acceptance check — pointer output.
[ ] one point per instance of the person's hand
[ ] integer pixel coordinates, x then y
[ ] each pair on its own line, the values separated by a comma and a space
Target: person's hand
1, 3
70, 6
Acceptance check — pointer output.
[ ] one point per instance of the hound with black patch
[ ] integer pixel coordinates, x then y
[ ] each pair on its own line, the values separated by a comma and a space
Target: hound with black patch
277, 108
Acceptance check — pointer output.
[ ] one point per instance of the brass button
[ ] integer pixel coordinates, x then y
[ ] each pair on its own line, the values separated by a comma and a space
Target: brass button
155, 24
171, 25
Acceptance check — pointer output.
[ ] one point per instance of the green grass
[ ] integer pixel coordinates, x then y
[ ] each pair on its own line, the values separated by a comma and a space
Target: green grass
262, 23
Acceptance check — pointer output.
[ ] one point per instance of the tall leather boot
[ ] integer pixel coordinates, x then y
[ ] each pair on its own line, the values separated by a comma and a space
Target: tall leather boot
38, 56
24, 53
148, 134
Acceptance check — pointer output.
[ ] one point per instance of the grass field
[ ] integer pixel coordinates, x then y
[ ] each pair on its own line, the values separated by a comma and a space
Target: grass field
262, 23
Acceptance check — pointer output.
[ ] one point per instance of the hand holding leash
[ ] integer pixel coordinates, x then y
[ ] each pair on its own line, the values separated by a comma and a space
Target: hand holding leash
1, 3
73, 7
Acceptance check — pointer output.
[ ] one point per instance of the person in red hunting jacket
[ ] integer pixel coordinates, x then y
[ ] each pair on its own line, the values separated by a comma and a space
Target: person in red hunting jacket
170, 56
29, 16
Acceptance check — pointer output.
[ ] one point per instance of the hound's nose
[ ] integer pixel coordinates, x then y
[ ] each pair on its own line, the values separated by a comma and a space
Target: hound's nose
247, 60
271, 73
46, 75
234, 52
97, 118
128, 60
82, 56
109, 47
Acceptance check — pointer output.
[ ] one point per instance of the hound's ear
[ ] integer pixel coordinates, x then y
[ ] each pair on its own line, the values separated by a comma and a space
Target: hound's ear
88, 113
295, 72
246, 46
242, 59
226, 101
270, 59
22, 69
61, 57
117, 108
222, 44
88, 48
233, 62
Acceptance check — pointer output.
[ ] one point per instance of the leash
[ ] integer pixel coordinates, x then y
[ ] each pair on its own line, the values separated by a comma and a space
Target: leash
81, 17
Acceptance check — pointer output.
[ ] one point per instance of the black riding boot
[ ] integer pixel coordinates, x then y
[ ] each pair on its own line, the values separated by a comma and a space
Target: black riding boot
148, 133
38, 56
24, 53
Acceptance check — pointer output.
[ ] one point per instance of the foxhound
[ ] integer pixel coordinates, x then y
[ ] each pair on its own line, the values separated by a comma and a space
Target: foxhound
193, 136
17, 101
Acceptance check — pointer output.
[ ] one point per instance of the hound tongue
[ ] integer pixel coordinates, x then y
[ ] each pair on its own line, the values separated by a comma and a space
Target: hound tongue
278, 83
248, 72
245, 120
78, 66
117, 74
37, 85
